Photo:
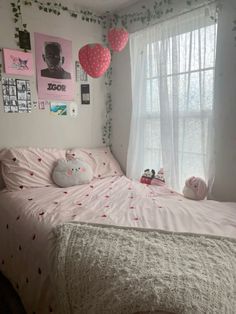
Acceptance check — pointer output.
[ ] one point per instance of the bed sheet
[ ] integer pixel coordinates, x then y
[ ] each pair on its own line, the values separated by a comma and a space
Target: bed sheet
28, 216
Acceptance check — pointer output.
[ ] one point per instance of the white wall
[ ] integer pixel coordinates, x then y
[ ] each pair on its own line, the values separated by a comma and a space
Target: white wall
40, 128
121, 105
224, 187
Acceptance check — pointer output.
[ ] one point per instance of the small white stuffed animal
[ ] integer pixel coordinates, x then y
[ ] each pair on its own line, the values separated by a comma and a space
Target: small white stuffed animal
71, 172
195, 188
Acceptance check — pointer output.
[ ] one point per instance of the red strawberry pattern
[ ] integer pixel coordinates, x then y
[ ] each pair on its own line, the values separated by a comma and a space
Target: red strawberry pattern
94, 59
96, 202
118, 38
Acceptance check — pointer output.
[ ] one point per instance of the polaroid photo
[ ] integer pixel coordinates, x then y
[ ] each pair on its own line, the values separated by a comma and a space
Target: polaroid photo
21, 96
5, 98
12, 81
28, 96
4, 81
83, 75
13, 103
7, 109
27, 85
14, 109
22, 104
5, 90
12, 90
21, 85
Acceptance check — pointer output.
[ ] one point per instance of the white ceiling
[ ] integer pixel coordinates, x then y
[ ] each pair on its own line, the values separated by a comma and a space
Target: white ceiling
100, 6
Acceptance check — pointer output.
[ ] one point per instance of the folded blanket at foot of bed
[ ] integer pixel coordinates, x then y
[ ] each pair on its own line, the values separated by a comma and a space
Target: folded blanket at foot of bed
102, 269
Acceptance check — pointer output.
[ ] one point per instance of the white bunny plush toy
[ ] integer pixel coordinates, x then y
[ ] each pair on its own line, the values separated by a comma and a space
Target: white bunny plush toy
195, 188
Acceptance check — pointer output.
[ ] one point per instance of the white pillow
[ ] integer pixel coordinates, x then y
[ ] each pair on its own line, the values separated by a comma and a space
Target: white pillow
100, 159
71, 172
28, 167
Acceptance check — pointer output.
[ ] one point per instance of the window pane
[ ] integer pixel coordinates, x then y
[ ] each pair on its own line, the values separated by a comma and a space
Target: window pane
152, 96
208, 38
179, 90
152, 145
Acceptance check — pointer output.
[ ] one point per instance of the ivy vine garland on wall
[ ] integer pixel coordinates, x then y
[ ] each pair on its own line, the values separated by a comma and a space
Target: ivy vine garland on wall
144, 16
234, 28
106, 20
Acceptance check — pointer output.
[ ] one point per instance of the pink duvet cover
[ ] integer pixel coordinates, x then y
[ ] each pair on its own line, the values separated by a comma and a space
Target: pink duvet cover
28, 216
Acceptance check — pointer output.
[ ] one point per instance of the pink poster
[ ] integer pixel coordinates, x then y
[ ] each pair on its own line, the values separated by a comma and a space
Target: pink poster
18, 62
55, 75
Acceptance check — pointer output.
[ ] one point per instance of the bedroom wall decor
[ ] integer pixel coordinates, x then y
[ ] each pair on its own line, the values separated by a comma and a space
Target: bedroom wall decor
58, 109
73, 107
85, 94
57, 8
55, 73
16, 95
117, 38
94, 59
18, 62
24, 40
80, 74
142, 15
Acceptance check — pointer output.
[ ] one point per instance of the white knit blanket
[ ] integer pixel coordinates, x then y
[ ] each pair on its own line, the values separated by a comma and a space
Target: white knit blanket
106, 270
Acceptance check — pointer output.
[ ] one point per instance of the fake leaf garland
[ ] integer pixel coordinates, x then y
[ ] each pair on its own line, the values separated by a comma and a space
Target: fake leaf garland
144, 16
107, 128
17, 17
234, 29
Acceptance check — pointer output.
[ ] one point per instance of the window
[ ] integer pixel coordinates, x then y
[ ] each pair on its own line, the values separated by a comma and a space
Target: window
178, 60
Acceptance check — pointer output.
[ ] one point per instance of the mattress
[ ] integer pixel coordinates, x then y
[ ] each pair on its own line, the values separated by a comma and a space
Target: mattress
28, 216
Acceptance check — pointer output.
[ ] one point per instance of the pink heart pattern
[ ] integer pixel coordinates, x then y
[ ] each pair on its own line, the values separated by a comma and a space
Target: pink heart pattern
118, 38
94, 59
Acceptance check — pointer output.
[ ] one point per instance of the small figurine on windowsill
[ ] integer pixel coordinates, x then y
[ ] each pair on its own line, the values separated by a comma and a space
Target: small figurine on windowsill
150, 177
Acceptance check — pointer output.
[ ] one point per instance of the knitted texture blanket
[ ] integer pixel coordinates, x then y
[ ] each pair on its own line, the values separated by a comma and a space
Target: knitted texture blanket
102, 269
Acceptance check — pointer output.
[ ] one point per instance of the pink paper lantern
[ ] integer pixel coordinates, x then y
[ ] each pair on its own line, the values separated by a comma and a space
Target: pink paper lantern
118, 38
94, 59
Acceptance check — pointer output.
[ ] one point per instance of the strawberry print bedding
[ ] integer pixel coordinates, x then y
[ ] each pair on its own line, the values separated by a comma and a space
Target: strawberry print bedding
28, 216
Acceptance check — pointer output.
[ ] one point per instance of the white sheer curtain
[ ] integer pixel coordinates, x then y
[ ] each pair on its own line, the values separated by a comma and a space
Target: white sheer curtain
172, 66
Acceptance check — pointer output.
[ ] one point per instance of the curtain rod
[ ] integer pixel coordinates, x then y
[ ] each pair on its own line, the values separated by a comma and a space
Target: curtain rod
180, 14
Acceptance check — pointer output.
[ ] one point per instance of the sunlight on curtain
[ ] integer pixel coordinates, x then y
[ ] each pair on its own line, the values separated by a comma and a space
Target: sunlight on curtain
172, 67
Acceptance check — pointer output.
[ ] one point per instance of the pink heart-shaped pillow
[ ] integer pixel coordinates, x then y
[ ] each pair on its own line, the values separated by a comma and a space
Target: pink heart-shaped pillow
118, 38
94, 59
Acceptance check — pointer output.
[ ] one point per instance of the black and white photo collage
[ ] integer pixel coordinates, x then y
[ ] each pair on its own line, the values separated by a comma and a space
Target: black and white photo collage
16, 95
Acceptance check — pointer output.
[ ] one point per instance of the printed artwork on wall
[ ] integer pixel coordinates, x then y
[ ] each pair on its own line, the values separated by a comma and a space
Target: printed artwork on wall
85, 94
42, 104
18, 62
24, 40
59, 109
55, 73
80, 74
73, 109
16, 95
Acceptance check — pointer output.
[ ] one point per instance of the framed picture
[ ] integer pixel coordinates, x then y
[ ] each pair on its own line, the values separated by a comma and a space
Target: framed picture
16, 95
24, 40
18, 62
59, 109
55, 72
85, 94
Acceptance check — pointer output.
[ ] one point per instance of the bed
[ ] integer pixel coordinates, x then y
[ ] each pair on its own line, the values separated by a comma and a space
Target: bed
29, 216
